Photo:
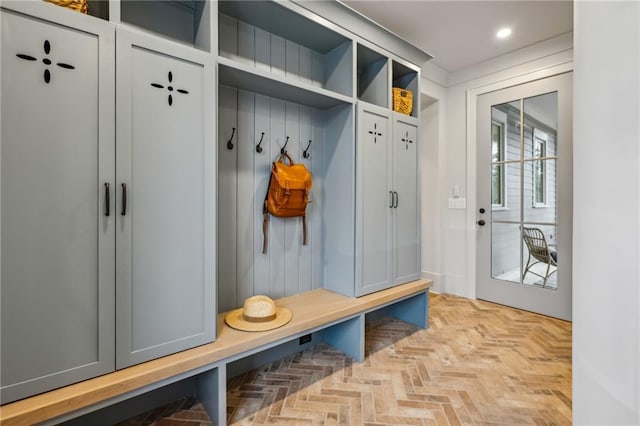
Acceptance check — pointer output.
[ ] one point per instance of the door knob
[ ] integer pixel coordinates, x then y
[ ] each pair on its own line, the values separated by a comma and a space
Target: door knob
481, 222
482, 210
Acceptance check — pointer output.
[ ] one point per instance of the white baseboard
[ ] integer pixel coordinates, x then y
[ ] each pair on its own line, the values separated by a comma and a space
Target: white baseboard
438, 281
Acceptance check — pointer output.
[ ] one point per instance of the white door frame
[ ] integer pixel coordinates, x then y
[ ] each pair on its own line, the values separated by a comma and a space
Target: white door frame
472, 199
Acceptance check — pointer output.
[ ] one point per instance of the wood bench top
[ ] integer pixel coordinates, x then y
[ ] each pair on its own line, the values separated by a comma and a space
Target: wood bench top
311, 309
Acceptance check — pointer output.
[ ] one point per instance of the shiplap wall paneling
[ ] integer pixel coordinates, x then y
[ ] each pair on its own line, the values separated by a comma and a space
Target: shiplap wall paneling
262, 50
288, 267
292, 226
246, 43
228, 37
305, 253
271, 53
262, 171
276, 225
245, 224
278, 53
227, 197
306, 70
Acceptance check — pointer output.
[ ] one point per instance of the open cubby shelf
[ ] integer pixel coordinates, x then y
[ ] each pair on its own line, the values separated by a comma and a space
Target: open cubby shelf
99, 9
326, 64
406, 78
183, 21
373, 76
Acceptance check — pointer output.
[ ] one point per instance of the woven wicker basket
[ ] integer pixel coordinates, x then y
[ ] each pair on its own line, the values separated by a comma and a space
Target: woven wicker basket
402, 100
81, 6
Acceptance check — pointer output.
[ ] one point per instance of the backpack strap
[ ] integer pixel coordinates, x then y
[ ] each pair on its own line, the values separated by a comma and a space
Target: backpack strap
265, 218
304, 230
304, 219
285, 155
265, 229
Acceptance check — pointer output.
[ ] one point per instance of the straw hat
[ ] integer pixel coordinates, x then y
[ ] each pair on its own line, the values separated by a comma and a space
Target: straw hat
258, 314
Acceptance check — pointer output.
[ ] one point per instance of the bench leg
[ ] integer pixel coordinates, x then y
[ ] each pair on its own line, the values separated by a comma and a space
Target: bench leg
211, 390
414, 310
348, 336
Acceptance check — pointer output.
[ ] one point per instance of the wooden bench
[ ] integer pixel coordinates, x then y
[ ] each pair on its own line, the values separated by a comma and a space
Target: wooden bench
335, 319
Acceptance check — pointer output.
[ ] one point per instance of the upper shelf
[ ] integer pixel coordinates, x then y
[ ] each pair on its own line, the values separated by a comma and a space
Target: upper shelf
324, 62
235, 74
281, 21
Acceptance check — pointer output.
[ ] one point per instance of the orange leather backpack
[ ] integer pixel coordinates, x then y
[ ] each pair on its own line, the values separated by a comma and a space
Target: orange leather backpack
288, 194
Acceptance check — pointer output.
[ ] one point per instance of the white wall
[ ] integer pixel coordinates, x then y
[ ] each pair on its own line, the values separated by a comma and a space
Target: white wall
432, 156
456, 147
606, 228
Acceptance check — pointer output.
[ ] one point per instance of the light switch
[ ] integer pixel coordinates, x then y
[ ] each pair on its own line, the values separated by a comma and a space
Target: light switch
457, 203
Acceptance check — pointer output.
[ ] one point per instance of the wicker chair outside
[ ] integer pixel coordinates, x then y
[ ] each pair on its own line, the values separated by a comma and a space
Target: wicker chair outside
539, 252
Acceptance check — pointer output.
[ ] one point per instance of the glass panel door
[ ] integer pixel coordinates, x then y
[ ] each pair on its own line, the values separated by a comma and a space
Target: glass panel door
524, 147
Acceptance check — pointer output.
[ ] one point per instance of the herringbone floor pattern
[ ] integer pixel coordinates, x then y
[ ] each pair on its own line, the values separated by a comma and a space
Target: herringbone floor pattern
479, 363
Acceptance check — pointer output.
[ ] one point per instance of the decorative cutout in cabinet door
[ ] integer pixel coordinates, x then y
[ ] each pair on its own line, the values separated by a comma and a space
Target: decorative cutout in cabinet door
407, 141
170, 88
375, 133
46, 60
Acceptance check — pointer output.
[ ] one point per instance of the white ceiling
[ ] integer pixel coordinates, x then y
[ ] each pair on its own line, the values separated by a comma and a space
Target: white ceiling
462, 33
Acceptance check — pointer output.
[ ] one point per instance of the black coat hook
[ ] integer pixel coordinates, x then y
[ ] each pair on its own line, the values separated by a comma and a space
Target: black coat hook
306, 153
259, 146
230, 143
283, 150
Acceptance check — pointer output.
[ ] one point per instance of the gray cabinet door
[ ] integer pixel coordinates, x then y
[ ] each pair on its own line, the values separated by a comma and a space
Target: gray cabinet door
373, 200
165, 231
406, 256
57, 144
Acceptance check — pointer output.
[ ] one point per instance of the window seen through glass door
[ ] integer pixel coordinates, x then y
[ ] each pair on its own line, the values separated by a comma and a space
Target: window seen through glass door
497, 170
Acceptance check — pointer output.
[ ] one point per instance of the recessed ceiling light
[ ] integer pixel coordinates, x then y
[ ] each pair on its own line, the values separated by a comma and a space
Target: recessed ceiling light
503, 33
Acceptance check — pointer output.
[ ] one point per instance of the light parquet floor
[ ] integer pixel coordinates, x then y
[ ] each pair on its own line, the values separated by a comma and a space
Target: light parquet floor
479, 363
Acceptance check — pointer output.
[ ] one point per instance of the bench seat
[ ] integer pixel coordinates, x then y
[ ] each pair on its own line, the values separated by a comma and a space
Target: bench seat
312, 311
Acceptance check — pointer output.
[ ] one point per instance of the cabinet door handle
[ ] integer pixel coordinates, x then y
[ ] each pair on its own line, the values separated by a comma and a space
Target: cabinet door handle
124, 199
107, 199
391, 194
395, 206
